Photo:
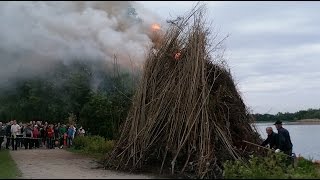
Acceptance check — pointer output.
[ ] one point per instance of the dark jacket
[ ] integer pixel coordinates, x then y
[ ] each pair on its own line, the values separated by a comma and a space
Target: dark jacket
2, 131
22, 129
272, 140
8, 131
28, 131
285, 143
56, 132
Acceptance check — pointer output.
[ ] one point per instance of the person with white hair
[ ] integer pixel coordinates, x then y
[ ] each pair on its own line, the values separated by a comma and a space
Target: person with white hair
272, 140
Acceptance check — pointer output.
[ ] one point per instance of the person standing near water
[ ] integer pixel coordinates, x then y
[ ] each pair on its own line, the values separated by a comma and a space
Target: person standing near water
285, 144
272, 140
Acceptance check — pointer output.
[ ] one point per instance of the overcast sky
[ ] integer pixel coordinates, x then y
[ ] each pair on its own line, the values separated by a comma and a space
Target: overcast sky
273, 49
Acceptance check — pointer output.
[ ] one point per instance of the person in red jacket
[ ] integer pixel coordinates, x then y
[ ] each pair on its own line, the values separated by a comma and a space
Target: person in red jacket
50, 134
36, 135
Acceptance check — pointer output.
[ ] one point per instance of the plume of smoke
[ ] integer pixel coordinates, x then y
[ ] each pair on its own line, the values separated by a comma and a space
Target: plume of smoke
35, 35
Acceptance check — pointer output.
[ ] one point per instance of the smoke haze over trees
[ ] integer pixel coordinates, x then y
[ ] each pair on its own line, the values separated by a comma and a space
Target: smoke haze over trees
58, 58
36, 35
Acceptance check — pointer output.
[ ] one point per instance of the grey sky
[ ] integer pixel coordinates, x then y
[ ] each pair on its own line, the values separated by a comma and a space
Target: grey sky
273, 49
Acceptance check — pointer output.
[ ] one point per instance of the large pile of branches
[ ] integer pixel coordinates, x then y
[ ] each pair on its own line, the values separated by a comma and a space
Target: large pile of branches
187, 116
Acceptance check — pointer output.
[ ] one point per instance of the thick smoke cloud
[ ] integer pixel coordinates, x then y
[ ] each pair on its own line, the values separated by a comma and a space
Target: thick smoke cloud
35, 35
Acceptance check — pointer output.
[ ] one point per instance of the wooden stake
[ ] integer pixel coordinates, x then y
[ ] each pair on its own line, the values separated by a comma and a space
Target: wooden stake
261, 146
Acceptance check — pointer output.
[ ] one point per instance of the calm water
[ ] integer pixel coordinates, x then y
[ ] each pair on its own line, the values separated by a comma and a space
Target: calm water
305, 138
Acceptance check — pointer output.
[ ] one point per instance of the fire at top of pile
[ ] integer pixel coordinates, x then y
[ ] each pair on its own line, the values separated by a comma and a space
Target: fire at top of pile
133, 15
155, 27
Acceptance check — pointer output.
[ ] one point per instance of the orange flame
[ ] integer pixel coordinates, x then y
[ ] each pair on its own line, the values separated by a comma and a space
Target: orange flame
155, 27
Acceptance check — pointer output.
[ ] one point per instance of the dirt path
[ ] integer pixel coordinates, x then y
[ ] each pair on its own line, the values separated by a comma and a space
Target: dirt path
61, 164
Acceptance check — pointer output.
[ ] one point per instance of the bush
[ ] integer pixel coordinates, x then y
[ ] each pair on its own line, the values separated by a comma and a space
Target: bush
270, 167
93, 144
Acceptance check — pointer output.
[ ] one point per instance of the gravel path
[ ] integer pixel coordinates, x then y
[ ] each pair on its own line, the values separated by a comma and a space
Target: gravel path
61, 164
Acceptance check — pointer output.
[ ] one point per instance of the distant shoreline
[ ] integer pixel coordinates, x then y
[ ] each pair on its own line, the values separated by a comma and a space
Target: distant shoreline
298, 122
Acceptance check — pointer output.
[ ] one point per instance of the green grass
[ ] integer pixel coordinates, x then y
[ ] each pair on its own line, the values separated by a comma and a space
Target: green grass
272, 166
8, 168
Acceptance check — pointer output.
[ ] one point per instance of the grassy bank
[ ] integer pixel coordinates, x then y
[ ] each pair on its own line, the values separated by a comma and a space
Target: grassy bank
271, 167
8, 168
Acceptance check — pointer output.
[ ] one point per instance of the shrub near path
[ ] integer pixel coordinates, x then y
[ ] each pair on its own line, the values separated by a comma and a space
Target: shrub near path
92, 145
270, 167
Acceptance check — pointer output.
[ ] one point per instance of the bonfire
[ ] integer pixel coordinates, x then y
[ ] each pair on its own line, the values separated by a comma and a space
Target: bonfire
187, 115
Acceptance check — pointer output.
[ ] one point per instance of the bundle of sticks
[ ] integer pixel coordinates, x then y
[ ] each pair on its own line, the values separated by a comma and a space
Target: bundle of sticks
187, 115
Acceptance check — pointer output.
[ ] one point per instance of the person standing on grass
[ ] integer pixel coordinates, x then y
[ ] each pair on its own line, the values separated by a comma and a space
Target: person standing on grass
2, 134
285, 144
272, 140
14, 132
70, 134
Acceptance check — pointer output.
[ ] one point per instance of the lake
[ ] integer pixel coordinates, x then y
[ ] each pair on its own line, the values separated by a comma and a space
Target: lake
305, 138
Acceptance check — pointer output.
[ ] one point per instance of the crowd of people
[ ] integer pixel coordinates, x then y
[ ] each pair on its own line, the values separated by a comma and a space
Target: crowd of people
36, 134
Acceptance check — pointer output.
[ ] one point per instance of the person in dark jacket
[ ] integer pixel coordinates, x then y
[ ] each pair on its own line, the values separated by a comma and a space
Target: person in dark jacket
285, 144
272, 140
2, 133
8, 134
28, 134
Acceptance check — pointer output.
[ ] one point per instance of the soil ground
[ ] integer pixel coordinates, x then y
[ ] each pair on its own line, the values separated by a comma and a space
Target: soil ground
62, 164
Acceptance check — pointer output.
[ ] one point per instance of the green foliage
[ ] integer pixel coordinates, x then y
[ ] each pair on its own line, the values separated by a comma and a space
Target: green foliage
97, 98
306, 169
93, 144
303, 114
273, 166
105, 111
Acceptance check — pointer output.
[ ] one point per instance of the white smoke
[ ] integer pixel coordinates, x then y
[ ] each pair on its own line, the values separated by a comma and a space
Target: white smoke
36, 34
